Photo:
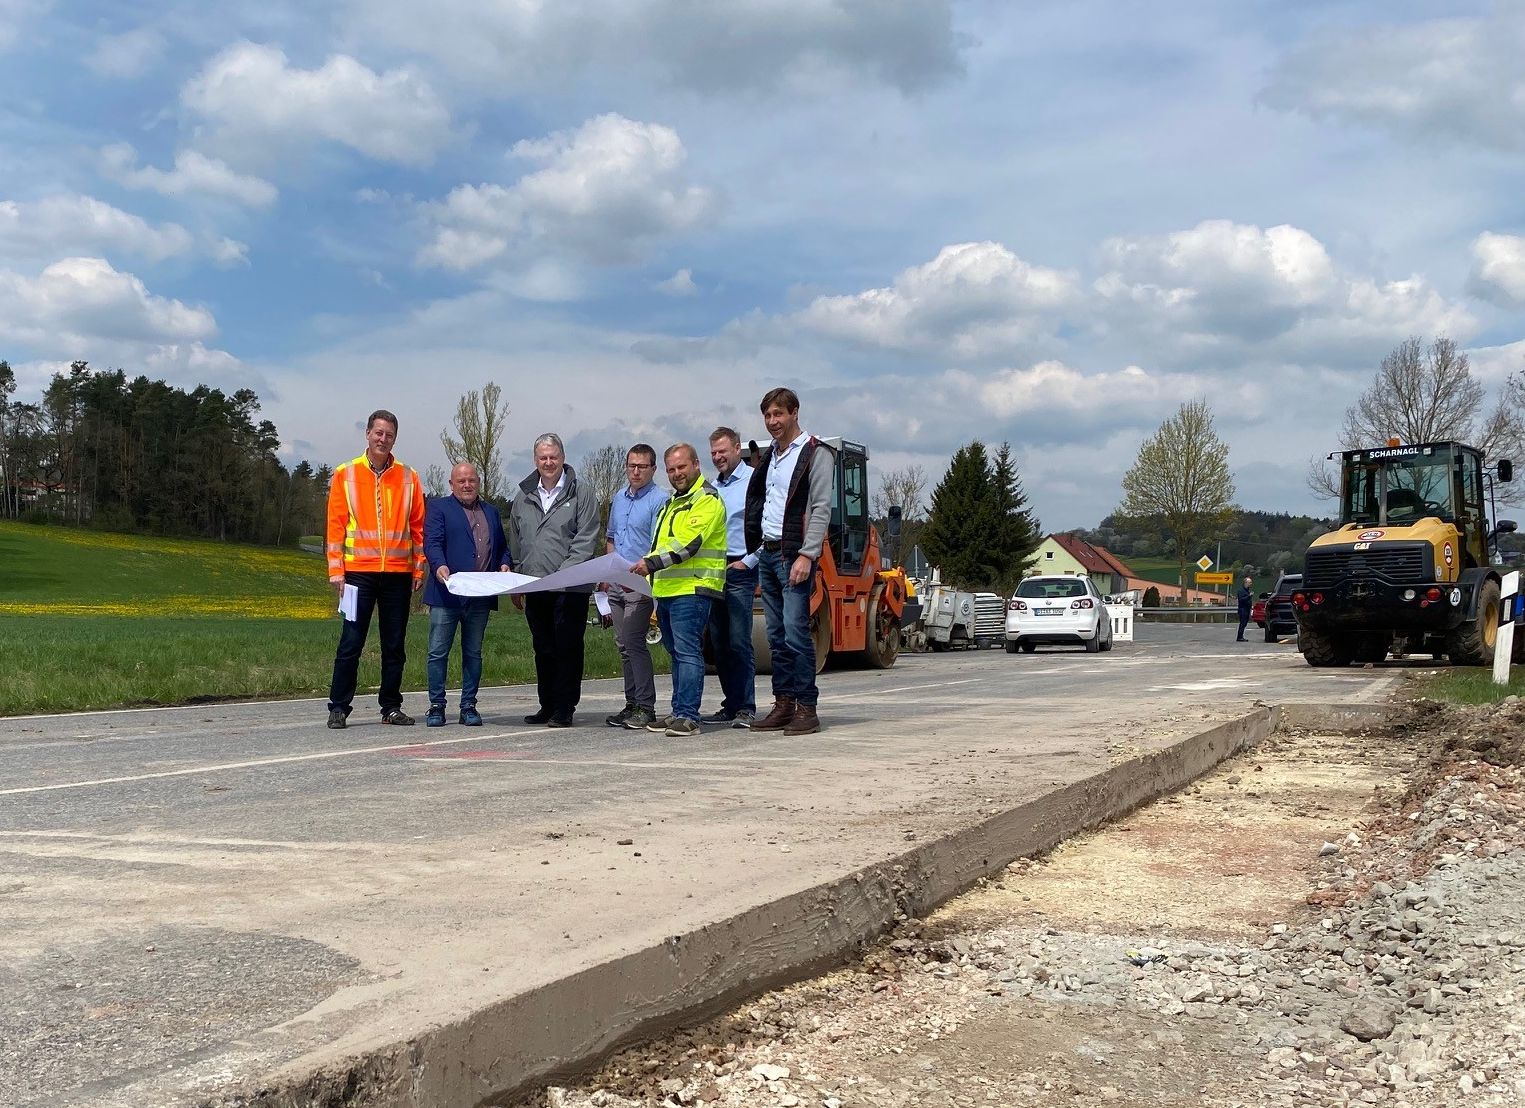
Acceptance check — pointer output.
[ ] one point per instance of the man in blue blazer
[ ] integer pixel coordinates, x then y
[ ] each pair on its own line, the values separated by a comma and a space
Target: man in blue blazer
462, 533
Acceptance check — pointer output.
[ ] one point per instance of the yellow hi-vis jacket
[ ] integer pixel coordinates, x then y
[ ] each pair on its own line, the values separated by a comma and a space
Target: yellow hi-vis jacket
688, 545
375, 522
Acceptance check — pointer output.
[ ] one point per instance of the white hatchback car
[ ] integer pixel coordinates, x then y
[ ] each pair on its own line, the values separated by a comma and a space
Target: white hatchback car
1057, 610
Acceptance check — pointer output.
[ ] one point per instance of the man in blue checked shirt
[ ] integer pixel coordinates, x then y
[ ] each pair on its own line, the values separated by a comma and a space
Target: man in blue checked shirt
731, 621
632, 518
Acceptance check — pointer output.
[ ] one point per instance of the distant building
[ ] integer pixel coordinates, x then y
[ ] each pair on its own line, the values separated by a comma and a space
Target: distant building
1067, 554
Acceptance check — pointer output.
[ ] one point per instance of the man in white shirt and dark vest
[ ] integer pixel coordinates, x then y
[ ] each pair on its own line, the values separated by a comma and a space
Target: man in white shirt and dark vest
788, 511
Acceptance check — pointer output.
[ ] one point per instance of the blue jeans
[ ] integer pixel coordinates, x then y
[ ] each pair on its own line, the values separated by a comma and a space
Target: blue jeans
787, 608
731, 642
682, 620
471, 617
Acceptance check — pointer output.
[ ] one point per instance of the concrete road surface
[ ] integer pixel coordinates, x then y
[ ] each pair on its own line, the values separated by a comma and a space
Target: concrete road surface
193, 900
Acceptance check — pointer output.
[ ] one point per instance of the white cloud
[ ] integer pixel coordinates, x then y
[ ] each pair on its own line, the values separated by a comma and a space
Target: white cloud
1458, 81
256, 103
1493, 364
1228, 291
14, 15
756, 45
1498, 269
604, 191
77, 299
194, 172
82, 224
229, 252
126, 55
974, 300
680, 283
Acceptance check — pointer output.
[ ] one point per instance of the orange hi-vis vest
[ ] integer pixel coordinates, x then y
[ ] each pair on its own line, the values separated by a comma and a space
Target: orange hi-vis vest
375, 522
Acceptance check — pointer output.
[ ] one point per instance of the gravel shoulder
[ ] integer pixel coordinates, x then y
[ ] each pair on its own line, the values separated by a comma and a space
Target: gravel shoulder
1327, 920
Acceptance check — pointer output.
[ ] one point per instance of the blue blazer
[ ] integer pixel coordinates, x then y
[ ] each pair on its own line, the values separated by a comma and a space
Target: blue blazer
448, 542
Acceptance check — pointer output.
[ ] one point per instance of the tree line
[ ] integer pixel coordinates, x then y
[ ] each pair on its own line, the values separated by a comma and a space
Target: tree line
135, 454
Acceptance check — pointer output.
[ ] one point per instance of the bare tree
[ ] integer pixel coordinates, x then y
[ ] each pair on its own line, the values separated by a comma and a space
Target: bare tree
604, 471
1181, 482
480, 419
436, 483
1427, 394
904, 487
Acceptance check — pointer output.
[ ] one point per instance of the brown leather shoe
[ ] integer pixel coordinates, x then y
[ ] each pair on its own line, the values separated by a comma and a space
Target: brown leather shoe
776, 720
804, 721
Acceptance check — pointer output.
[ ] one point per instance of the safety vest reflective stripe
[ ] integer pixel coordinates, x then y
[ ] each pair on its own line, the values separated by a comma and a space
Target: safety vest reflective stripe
377, 542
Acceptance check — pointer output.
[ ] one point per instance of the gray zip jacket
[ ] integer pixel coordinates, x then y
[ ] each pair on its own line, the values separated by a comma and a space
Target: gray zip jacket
567, 535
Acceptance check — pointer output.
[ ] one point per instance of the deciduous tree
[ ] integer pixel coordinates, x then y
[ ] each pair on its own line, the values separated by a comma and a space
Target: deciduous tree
481, 418
1181, 481
604, 472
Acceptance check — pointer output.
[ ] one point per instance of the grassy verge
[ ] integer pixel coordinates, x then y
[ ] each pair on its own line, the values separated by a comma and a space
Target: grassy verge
1473, 686
95, 619
71, 663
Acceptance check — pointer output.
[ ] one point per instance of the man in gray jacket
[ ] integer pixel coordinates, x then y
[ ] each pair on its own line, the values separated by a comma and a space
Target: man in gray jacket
553, 523
788, 510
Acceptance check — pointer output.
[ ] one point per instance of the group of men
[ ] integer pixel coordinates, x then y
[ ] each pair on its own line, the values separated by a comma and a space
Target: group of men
707, 547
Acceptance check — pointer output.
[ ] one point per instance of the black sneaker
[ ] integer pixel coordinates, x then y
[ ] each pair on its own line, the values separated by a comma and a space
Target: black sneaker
619, 718
720, 717
559, 719
639, 719
397, 717
542, 716
337, 719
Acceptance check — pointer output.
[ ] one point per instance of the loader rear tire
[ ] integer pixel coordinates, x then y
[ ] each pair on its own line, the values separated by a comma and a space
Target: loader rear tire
1325, 648
1472, 643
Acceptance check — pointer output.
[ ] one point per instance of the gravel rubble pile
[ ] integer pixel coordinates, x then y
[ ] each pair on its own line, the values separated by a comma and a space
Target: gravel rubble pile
1402, 983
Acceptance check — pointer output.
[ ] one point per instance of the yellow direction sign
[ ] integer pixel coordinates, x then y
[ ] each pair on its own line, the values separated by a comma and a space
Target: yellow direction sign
1204, 563
1215, 578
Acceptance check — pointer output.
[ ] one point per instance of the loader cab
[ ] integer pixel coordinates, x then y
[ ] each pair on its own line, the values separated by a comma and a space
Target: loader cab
1397, 486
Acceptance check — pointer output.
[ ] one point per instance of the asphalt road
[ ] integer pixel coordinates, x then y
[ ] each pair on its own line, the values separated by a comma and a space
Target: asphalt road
192, 898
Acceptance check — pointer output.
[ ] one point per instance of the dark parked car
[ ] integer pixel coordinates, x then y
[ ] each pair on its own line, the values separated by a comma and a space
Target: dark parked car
1280, 619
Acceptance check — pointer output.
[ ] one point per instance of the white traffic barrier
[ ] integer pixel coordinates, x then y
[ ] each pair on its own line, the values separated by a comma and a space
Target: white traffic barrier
1509, 617
1122, 622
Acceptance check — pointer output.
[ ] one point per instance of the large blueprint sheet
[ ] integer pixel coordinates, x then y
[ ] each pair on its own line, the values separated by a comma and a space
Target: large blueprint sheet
611, 568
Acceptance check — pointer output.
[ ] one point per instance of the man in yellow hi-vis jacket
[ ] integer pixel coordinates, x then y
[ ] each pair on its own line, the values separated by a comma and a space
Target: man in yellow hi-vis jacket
376, 544
687, 569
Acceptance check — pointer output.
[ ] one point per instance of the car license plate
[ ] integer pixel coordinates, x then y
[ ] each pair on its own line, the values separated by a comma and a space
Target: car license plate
1047, 611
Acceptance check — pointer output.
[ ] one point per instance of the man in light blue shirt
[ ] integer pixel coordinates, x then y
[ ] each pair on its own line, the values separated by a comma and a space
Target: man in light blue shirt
731, 622
632, 518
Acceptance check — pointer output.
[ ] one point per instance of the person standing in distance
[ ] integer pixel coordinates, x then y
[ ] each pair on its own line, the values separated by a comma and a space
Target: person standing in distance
632, 523
1246, 598
687, 569
552, 524
731, 620
375, 543
462, 533
788, 510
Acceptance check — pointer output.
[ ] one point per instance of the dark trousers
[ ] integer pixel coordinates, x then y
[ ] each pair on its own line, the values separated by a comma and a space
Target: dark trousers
731, 641
557, 621
1244, 620
389, 595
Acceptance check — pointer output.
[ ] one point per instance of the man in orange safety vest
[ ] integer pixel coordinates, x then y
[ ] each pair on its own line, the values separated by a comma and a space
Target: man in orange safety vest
375, 544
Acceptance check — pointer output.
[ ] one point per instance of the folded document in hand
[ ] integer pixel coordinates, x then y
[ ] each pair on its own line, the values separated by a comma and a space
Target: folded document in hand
611, 568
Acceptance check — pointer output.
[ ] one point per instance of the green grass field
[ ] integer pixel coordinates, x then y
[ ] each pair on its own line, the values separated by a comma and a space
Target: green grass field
93, 619
1472, 685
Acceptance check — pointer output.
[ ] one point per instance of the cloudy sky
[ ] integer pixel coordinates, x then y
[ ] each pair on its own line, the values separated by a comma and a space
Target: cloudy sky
1044, 222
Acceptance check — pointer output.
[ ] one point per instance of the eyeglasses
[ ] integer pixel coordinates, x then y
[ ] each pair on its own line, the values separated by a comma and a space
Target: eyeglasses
639, 465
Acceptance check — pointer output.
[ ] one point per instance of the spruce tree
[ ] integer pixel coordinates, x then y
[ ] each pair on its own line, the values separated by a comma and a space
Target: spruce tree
1015, 534
956, 538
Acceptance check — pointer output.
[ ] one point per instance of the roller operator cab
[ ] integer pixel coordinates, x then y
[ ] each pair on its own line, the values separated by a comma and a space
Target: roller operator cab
1411, 569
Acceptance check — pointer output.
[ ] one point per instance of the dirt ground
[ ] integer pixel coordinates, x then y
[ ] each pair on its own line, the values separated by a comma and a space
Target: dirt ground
1327, 920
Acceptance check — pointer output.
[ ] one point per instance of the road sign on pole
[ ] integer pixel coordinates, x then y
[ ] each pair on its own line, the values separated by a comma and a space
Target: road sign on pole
1204, 563
1215, 578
